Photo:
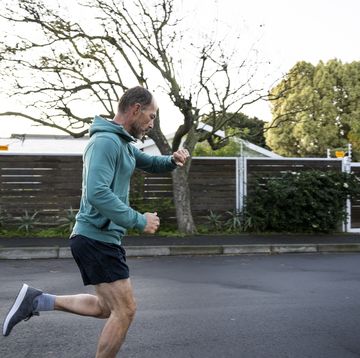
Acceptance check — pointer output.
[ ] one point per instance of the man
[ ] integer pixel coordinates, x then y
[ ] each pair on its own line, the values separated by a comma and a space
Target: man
104, 216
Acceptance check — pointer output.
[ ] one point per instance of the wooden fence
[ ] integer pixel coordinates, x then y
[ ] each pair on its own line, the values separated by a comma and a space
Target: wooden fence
51, 184
45, 184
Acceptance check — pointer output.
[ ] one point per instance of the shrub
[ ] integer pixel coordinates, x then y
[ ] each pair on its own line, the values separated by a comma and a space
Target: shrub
309, 201
214, 220
234, 221
28, 221
67, 222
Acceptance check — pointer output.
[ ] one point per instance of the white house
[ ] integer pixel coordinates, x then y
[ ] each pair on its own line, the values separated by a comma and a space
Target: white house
65, 144
62, 144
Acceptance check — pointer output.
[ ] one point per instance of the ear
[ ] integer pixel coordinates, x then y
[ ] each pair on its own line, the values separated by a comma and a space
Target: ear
136, 109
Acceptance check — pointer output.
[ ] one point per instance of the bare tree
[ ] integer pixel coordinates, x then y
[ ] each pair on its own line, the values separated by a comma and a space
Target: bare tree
62, 67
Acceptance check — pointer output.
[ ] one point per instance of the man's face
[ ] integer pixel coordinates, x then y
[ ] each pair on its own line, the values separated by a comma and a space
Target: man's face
143, 120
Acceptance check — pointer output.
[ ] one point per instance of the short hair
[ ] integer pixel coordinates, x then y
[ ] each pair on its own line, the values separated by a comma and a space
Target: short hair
134, 95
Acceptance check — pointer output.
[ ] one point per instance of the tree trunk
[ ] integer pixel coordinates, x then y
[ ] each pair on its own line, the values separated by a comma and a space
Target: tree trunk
181, 188
181, 193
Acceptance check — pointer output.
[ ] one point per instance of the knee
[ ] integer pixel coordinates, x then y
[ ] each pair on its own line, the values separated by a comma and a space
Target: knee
130, 310
125, 316
126, 312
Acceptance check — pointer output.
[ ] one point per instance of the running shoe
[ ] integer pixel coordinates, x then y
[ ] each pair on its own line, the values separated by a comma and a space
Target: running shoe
22, 309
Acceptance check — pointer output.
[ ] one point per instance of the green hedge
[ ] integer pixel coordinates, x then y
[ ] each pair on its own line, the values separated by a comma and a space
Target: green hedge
309, 201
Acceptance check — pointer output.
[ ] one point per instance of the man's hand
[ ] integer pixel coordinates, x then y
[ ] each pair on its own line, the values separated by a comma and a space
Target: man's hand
181, 156
152, 223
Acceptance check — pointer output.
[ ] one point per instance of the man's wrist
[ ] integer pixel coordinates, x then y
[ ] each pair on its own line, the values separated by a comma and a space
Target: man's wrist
173, 160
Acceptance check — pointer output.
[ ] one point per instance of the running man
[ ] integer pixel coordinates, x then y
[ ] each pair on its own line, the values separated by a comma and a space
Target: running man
104, 215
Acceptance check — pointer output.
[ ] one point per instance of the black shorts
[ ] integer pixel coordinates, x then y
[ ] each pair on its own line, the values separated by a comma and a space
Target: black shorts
99, 261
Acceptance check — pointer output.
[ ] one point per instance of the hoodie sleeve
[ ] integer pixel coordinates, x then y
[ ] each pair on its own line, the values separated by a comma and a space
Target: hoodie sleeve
153, 164
100, 162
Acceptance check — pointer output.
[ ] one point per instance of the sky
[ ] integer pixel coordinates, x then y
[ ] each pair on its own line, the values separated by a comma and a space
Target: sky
286, 31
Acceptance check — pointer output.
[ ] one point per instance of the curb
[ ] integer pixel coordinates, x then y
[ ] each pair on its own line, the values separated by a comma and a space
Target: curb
28, 253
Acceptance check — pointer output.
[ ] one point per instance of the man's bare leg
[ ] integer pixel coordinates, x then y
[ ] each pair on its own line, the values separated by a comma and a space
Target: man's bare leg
118, 297
114, 301
82, 304
30, 300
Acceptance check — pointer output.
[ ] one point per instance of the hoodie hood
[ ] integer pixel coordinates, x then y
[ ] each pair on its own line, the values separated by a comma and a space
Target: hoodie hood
102, 125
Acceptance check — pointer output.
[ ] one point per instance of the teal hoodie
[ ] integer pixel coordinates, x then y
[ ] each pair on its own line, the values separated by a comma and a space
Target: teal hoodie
109, 161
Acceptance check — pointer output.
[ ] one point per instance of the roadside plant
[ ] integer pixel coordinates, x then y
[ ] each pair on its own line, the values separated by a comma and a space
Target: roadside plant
28, 221
215, 221
234, 222
308, 201
68, 220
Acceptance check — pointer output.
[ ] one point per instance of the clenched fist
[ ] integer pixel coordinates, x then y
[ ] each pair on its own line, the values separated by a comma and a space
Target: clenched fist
152, 223
181, 156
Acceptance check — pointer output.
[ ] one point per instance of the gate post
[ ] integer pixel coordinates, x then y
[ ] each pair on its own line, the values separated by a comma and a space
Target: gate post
346, 168
240, 183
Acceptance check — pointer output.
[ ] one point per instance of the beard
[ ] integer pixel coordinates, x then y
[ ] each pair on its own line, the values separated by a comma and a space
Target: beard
136, 131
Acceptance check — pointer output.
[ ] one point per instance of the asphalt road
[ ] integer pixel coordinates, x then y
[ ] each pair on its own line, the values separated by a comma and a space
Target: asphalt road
293, 306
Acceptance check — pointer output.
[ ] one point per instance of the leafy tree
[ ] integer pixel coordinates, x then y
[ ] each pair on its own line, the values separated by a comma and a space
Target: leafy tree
63, 70
238, 126
231, 149
248, 128
316, 107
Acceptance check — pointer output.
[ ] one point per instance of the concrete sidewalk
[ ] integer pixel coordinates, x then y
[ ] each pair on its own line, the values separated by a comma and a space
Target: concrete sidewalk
148, 245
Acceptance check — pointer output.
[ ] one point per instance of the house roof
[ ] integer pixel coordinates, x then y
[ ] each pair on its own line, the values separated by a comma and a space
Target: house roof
48, 143
65, 144
260, 150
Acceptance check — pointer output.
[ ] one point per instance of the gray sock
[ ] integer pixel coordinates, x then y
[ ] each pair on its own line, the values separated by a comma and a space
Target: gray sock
44, 302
